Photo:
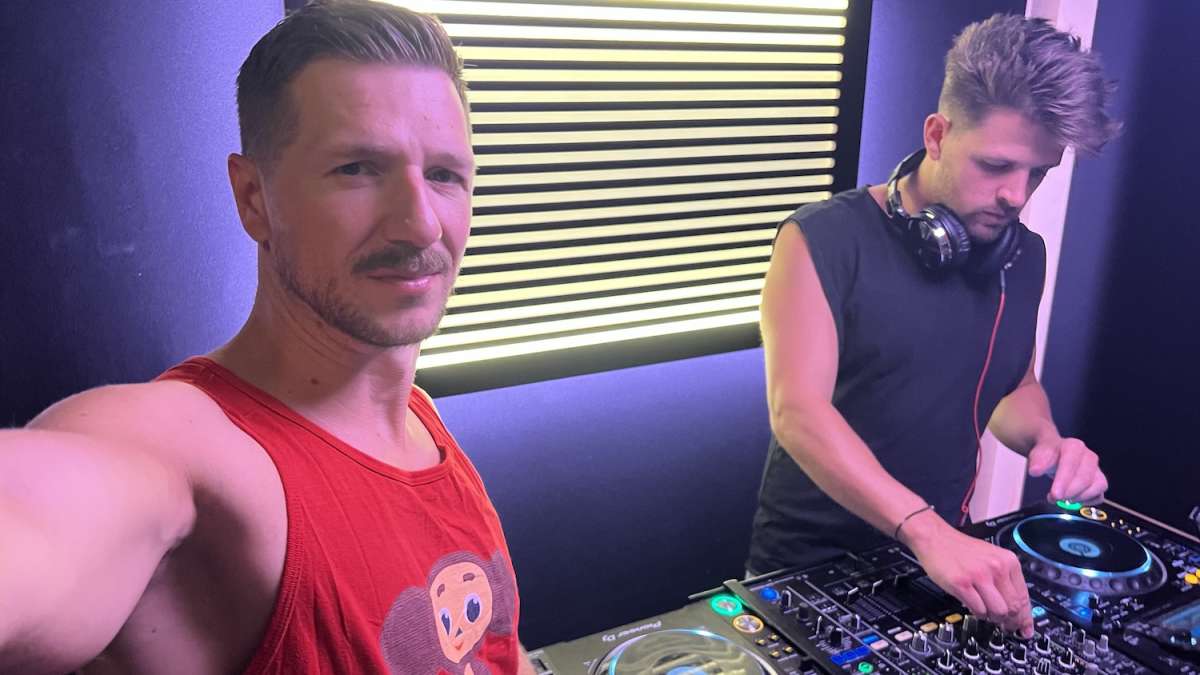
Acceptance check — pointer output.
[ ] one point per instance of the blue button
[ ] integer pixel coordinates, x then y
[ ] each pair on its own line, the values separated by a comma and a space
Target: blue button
769, 594
1084, 613
870, 638
849, 655
1038, 611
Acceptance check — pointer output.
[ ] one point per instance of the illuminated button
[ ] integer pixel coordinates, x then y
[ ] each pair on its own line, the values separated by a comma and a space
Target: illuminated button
1068, 506
879, 645
773, 637
775, 653
928, 627
1191, 579
789, 649
954, 618
1093, 513
903, 636
769, 594
748, 623
866, 667
725, 605
761, 642
1038, 611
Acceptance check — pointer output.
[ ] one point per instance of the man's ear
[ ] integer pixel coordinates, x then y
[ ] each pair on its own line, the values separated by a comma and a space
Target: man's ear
247, 183
937, 126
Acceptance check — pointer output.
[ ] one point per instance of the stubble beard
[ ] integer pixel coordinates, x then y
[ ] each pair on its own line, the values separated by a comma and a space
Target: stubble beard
331, 304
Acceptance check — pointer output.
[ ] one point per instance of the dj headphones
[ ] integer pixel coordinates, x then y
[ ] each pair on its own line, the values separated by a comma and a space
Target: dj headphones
938, 238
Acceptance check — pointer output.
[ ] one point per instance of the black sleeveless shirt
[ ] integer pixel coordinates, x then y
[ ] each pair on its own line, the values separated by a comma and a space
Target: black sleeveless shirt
911, 345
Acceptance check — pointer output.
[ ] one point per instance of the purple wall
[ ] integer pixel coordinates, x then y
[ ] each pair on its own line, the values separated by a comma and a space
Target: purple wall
122, 247
1121, 360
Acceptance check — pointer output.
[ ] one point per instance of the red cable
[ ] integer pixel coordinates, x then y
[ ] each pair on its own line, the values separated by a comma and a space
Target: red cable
987, 362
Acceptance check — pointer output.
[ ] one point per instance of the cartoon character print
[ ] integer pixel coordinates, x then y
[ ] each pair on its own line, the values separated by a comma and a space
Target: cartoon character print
440, 627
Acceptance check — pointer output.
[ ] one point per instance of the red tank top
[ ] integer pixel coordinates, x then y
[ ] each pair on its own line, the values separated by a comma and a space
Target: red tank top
386, 571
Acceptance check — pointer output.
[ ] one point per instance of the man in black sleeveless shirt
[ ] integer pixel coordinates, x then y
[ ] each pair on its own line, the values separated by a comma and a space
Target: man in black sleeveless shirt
878, 328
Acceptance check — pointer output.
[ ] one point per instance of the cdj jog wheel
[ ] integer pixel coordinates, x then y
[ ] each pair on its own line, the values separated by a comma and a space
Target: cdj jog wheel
1082, 554
681, 652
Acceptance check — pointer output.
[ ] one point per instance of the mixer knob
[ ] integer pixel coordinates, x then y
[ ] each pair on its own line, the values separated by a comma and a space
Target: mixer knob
1042, 644
1103, 643
822, 626
945, 661
1093, 601
994, 665
971, 650
785, 599
1079, 637
997, 641
836, 636
1089, 649
945, 633
970, 626
1018, 653
1067, 659
856, 623
920, 644
1043, 667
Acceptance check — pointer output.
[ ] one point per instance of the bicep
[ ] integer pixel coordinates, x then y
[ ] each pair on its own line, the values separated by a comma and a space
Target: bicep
800, 341
86, 520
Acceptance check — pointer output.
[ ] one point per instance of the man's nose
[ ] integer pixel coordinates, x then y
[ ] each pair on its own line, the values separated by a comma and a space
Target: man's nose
1015, 191
411, 218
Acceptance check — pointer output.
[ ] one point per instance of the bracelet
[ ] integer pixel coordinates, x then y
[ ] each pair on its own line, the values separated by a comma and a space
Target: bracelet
896, 534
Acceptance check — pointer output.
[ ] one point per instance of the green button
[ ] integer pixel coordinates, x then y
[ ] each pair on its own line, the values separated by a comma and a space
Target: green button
866, 667
726, 605
1068, 506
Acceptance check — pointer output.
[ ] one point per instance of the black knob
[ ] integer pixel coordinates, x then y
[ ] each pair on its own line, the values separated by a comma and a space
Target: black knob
994, 665
945, 661
970, 626
785, 599
997, 641
1067, 658
971, 650
920, 643
946, 633
1042, 644
1093, 601
836, 635
856, 622
1018, 653
1042, 667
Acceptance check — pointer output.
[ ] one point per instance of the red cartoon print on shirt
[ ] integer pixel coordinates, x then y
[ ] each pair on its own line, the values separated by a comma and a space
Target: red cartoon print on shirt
440, 628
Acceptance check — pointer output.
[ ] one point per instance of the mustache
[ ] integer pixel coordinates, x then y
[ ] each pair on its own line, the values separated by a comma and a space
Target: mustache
403, 259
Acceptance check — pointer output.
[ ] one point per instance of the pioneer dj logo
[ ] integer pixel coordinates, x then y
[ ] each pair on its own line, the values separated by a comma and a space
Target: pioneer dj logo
612, 637
1084, 548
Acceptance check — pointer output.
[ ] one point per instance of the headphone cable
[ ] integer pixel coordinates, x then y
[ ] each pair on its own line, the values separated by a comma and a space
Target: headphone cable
965, 508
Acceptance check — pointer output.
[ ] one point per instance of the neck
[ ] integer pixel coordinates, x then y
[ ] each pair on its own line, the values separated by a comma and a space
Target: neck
350, 388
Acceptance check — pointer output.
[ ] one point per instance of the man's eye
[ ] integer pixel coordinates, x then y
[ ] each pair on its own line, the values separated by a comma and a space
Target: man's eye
445, 176
352, 169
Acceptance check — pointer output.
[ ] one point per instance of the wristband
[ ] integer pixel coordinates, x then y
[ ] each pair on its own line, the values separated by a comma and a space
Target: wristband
896, 534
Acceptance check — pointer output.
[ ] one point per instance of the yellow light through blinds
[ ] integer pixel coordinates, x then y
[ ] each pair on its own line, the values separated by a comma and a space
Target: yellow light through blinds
634, 161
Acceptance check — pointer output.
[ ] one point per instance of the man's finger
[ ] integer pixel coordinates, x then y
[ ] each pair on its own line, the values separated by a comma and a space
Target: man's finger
997, 608
1068, 464
1023, 611
1084, 475
1095, 492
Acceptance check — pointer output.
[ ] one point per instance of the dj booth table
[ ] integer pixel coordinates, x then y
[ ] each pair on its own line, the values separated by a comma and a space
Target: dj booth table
1114, 592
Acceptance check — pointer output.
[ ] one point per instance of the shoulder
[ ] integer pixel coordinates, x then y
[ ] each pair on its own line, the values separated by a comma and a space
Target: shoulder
165, 417
843, 209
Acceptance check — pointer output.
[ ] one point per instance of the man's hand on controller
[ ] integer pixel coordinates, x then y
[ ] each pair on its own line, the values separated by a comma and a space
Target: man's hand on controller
985, 578
1076, 470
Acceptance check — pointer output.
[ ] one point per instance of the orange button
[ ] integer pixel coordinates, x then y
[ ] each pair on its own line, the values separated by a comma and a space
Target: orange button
1191, 579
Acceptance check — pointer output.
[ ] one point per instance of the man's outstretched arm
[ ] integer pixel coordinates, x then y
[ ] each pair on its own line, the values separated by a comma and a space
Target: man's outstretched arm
84, 522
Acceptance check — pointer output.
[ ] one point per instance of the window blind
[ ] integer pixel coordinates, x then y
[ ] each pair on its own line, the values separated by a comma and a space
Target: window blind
634, 160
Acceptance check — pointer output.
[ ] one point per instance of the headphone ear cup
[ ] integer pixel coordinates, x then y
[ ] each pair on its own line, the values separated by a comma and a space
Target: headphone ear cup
941, 241
988, 261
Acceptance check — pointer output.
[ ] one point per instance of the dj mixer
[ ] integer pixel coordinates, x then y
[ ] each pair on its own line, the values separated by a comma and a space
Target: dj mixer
1113, 592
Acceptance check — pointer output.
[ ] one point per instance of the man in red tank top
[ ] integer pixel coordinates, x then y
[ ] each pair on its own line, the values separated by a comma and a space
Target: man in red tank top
289, 503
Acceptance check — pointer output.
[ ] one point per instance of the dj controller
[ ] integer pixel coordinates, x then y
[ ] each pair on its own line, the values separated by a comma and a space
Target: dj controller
1113, 592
